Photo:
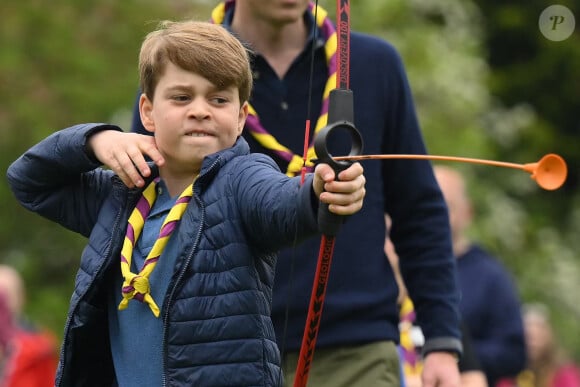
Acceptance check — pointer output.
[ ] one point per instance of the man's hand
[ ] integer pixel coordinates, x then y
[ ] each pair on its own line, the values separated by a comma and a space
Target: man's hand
440, 370
344, 196
125, 154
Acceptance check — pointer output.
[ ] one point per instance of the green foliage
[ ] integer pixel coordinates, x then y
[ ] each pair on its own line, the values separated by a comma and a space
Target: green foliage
539, 75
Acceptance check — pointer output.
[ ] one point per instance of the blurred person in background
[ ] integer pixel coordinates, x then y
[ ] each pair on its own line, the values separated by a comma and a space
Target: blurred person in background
412, 338
6, 335
548, 364
32, 358
489, 304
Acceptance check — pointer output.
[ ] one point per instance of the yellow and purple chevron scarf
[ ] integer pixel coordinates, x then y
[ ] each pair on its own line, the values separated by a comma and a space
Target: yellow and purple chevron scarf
256, 129
136, 286
412, 364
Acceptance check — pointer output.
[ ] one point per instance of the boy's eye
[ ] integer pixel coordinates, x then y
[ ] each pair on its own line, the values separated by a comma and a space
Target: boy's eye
219, 100
180, 97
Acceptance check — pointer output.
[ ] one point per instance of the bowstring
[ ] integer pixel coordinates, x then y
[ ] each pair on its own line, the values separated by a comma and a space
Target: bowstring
302, 178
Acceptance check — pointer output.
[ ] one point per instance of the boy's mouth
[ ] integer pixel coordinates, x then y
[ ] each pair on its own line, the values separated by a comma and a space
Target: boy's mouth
197, 133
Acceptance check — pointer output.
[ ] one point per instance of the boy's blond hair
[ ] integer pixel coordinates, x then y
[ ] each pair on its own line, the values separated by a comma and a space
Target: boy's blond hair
200, 47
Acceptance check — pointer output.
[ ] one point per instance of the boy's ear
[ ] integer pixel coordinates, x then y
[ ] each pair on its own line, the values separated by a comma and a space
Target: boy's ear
145, 111
242, 117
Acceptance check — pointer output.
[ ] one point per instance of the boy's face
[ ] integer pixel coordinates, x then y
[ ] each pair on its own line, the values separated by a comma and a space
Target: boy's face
191, 118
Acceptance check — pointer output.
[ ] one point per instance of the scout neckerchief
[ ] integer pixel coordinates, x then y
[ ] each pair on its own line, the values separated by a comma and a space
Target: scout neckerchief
412, 365
262, 136
136, 286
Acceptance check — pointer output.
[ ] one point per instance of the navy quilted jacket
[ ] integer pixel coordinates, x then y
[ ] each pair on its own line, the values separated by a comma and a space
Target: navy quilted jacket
216, 315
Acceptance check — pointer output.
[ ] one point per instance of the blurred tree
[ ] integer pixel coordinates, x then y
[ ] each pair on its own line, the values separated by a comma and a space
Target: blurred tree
531, 72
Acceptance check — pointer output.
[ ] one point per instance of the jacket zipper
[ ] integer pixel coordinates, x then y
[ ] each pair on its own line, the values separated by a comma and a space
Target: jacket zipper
180, 277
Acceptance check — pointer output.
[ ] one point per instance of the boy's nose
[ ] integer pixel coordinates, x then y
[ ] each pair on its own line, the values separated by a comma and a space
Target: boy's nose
198, 109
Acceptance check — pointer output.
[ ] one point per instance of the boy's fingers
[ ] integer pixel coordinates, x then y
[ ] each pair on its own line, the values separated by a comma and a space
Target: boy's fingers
347, 208
326, 172
344, 203
139, 162
344, 210
128, 170
124, 177
348, 186
149, 148
343, 199
351, 172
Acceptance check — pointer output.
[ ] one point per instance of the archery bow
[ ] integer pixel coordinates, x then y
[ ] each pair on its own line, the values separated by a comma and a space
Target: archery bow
340, 118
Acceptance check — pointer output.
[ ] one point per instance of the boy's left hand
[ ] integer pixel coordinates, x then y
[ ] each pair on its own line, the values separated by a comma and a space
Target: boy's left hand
124, 153
343, 196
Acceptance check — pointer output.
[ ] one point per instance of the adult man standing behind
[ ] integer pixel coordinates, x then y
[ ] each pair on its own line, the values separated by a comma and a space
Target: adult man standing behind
489, 304
359, 327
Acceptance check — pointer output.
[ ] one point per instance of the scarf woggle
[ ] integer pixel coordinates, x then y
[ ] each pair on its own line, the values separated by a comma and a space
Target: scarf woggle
136, 286
260, 134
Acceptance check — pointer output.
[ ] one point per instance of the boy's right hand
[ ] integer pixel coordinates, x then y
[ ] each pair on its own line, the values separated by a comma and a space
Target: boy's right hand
124, 153
344, 196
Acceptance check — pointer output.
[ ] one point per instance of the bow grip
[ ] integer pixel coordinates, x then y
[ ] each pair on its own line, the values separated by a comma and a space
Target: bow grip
340, 118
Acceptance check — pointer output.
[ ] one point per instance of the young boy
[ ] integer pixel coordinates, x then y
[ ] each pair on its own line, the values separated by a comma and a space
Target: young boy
192, 309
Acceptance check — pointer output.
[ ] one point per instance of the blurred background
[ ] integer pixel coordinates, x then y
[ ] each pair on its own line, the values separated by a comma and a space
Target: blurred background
487, 84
